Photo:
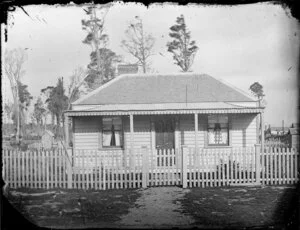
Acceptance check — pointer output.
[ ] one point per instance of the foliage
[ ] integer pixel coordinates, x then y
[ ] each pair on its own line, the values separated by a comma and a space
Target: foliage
257, 90
57, 102
45, 94
24, 96
182, 48
138, 43
18, 115
96, 38
39, 111
9, 108
108, 60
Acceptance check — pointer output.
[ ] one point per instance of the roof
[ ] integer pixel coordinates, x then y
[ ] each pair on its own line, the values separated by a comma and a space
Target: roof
161, 89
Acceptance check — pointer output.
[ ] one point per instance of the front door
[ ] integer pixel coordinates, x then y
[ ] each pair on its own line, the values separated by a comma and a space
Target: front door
165, 133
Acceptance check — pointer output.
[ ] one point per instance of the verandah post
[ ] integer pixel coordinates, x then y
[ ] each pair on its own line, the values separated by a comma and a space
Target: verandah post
69, 167
145, 166
184, 151
257, 164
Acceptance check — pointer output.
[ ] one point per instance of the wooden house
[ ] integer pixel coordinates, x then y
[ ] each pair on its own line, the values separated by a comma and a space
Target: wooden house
293, 136
158, 111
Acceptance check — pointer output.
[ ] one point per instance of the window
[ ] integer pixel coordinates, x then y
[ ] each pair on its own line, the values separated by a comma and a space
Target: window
164, 130
218, 130
112, 132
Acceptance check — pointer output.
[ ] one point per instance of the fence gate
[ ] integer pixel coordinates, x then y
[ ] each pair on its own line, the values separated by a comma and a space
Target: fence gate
164, 167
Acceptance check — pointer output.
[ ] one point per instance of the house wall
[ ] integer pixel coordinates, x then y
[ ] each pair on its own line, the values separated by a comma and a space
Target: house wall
88, 131
142, 131
243, 130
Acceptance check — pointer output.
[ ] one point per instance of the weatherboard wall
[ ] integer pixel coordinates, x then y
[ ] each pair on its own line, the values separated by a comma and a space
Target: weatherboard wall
88, 132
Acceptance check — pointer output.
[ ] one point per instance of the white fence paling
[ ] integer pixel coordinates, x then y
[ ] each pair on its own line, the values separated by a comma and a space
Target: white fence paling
144, 167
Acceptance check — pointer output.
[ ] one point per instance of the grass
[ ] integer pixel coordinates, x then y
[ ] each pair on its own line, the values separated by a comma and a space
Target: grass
236, 207
72, 208
226, 207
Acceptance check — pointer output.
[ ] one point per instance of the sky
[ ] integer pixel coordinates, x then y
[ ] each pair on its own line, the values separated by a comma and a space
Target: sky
239, 44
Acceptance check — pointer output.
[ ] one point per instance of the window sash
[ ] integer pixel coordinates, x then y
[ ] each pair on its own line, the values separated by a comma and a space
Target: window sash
108, 140
221, 137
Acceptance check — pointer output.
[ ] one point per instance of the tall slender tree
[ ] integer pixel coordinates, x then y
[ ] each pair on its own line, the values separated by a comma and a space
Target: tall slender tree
96, 37
181, 47
13, 68
45, 94
39, 111
24, 103
138, 43
57, 103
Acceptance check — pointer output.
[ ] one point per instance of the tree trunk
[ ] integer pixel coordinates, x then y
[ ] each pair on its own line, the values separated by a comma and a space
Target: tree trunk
18, 122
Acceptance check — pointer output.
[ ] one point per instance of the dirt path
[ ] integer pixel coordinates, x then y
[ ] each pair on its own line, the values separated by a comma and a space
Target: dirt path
157, 207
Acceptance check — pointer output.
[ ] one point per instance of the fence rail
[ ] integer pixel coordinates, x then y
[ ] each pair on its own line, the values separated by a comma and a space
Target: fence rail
135, 168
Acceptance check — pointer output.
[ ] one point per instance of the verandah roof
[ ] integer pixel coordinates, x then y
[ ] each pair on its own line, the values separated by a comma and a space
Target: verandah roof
157, 112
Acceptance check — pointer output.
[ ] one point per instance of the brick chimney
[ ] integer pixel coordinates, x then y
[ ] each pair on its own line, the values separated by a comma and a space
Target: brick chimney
127, 69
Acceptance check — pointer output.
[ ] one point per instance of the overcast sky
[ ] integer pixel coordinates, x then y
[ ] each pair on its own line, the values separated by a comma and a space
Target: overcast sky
238, 44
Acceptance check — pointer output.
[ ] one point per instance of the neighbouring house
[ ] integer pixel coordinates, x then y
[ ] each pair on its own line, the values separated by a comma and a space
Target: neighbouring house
157, 111
277, 131
277, 136
293, 136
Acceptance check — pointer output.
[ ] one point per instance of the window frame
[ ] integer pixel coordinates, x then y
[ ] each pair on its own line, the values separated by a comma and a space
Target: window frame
228, 142
121, 146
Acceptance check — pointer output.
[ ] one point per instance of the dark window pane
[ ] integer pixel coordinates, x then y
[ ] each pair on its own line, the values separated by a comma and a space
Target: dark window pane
164, 129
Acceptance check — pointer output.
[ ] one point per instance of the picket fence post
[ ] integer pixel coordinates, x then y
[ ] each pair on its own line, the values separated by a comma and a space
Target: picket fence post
257, 164
69, 167
184, 152
145, 166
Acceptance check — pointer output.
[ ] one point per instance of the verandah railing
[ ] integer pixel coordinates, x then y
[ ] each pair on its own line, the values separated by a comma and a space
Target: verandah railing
115, 169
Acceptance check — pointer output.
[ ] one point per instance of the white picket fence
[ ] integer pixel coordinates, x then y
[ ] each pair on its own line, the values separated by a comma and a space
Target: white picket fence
136, 168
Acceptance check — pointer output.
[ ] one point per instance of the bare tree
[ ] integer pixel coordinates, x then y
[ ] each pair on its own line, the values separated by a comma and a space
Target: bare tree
13, 67
138, 43
78, 86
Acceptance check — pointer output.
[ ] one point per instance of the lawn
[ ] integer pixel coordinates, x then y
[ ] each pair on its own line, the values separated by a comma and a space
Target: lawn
228, 207
72, 208
236, 207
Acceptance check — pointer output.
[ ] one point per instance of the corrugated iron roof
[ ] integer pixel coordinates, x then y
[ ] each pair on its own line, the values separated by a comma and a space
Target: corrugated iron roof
169, 88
